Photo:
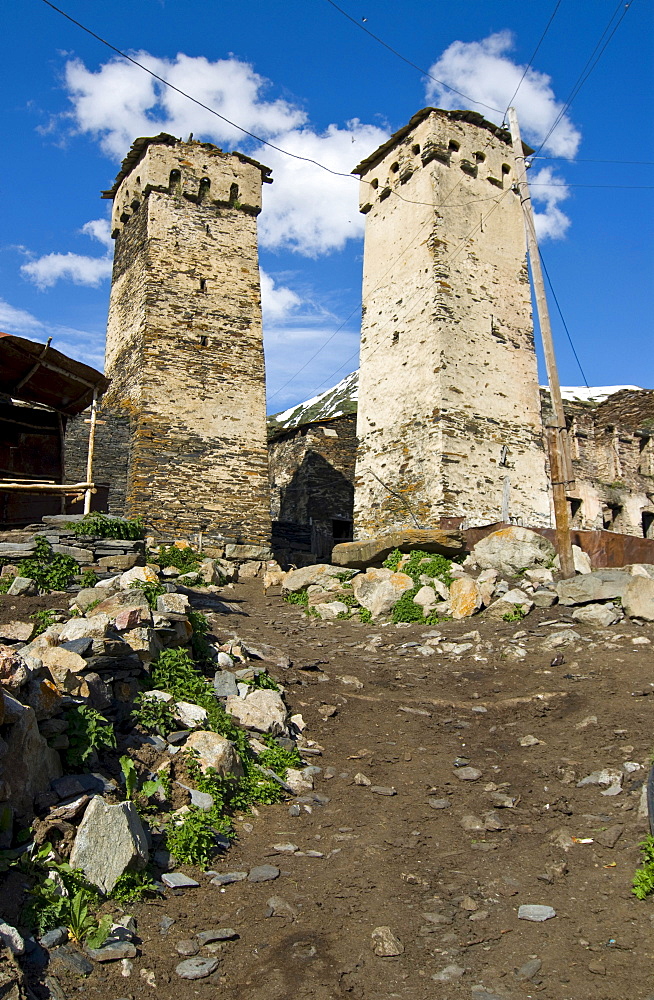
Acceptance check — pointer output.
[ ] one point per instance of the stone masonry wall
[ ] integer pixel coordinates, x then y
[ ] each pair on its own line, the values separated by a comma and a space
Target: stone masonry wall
612, 448
311, 479
111, 454
184, 340
448, 397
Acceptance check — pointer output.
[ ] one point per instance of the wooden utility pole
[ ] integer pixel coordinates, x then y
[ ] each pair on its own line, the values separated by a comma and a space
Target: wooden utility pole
560, 462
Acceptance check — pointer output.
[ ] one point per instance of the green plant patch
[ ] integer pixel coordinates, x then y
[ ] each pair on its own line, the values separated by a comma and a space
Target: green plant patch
643, 881
278, 759
514, 616
151, 590
42, 620
264, 681
103, 526
185, 560
61, 896
154, 715
133, 886
5, 583
49, 570
365, 616
297, 597
88, 579
87, 732
199, 642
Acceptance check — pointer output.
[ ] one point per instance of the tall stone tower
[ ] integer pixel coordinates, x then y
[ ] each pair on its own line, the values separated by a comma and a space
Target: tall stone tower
184, 341
449, 422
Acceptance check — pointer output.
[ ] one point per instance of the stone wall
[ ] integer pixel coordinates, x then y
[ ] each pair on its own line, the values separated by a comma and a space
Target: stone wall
311, 481
111, 454
449, 418
612, 447
184, 340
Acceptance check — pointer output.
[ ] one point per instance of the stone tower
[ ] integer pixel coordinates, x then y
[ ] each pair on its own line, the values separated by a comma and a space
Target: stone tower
184, 341
449, 421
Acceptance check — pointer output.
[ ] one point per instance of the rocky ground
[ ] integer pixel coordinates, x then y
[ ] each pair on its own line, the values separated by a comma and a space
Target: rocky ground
448, 798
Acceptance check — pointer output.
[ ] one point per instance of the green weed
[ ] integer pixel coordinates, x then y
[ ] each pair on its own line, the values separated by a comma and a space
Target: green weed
199, 642
643, 881
133, 886
87, 732
185, 560
151, 590
297, 597
42, 620
130, 775
49, 570
365, 616
153, 715
5, 583
88, 579
103, 526
514, 616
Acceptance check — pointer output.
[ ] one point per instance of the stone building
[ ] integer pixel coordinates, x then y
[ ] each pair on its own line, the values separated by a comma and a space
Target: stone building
184, 342
611, 433
612, 447
449, 421
312, 448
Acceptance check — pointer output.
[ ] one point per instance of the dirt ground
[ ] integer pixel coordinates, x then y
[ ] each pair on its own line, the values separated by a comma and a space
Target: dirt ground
449, 894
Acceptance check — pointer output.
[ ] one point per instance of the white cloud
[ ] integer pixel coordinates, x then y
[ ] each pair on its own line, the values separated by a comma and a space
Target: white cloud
83, 345
46, 271
18, 321
121, 102
306, 209
99, 229
277, 301
548, 187
484, 71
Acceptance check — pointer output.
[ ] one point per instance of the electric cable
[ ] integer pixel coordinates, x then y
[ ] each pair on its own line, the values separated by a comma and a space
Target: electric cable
533, 56
588, 67
565, 325
460, 246
408, 61
391, 265
575, 159
167, 83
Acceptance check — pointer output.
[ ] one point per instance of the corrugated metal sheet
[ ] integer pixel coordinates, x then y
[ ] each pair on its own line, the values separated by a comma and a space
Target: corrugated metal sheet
37, 373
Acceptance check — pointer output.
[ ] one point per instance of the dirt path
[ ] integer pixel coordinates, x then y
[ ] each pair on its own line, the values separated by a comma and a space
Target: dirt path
404, 860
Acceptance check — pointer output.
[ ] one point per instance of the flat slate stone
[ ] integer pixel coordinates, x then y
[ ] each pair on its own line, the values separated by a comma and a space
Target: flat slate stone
229, 877
113, 951
263, 873
176, 880
79, 646
196, 968
217, 934
533, 911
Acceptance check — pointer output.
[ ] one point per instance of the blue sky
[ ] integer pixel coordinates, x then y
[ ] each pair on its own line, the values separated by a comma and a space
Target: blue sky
304, 77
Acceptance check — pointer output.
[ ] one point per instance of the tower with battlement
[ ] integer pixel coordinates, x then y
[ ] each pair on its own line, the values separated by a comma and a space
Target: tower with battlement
449, 421
184, 340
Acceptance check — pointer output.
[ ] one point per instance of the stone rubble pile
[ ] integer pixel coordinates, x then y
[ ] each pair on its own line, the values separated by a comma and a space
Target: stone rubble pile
507, 574
98, 655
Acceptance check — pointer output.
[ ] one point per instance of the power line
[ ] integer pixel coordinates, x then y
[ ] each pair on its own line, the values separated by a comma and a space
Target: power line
408, 61
565, 325
533, 56
391, 265
461, 244
167, 83
617, 187
575, 159
589, 66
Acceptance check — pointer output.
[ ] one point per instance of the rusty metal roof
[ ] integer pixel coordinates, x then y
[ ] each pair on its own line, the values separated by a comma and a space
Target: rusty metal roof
37, 373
